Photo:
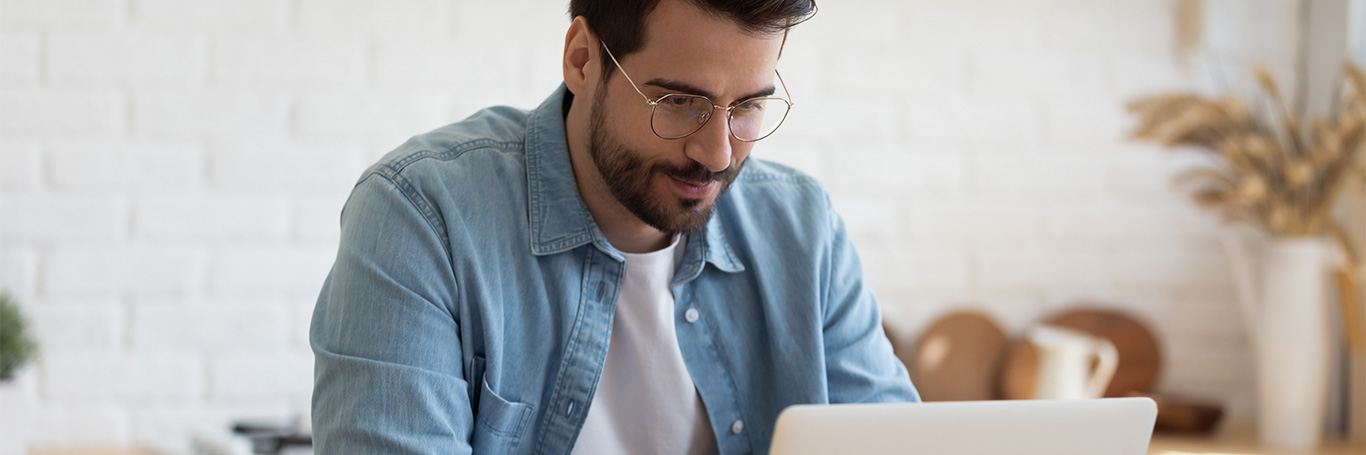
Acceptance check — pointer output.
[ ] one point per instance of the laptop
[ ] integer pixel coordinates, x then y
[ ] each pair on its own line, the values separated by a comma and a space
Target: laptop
1108, 426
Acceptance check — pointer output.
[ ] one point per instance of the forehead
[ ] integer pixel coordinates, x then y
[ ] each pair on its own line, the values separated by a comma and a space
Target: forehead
706, 49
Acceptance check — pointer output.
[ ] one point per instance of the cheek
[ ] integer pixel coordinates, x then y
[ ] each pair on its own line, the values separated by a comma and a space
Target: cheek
630, 118
638, 126
625, 114
636, 136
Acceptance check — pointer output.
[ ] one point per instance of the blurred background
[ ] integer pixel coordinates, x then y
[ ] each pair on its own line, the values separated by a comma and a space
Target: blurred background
172, 173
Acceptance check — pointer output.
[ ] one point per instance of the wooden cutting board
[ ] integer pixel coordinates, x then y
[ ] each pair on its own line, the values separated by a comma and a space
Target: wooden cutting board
1140, 361
957, 358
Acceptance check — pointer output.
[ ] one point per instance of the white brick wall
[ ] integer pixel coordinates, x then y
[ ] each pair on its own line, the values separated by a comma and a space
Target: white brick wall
64, 113
145, 377
172, 171
62, 15
23, 165
73, 425
20, 53
121, 271
219, 327
231, 16
273, 62
18, 270
264, 376
351, 18
54, 218
152, 60
228, 114
141, 166
75, 325
289, 271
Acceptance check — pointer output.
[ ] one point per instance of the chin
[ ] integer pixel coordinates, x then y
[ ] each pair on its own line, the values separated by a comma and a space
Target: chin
684, 214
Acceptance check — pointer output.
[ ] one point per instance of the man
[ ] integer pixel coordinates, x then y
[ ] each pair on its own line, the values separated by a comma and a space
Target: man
607, 273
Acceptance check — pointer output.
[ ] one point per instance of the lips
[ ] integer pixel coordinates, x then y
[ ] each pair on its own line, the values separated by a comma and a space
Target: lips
693, 190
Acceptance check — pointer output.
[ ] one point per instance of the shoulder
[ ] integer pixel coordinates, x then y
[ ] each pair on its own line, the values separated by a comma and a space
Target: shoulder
766, 184
457, 171
489, 141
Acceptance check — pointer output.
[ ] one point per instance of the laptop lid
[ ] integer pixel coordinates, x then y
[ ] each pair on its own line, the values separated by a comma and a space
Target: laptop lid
1117, 426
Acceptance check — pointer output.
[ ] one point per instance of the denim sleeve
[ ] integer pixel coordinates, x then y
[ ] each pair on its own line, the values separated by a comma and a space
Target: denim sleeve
388, 375
860, 365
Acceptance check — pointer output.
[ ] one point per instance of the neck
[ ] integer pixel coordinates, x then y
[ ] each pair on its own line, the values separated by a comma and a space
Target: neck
622, 229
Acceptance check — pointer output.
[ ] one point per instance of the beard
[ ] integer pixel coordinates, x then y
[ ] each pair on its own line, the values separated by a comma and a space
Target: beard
631, 180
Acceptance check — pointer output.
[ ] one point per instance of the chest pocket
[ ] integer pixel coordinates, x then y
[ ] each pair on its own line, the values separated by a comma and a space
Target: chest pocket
499, 424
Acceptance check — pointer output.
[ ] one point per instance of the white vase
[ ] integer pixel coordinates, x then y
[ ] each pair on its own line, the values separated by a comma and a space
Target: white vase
1282, 290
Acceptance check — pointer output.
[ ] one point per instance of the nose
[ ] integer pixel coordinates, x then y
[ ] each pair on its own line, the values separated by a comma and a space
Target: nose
711, 146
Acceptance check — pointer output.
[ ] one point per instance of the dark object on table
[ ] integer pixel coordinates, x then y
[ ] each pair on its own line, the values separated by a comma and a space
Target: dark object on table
1175, 415
272, 438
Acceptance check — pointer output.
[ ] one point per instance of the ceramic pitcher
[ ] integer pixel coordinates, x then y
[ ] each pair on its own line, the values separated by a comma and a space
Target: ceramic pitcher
1066, 357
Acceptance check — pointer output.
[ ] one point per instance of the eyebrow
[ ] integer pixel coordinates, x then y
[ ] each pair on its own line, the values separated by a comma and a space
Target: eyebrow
689, 89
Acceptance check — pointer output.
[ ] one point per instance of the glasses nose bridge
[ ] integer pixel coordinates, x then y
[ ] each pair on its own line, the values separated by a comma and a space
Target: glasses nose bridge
707, 116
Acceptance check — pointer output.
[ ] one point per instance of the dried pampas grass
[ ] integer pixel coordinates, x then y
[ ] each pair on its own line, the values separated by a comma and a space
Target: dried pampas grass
1271, 172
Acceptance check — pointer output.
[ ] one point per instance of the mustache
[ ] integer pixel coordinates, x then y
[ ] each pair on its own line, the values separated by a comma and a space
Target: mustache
695, 172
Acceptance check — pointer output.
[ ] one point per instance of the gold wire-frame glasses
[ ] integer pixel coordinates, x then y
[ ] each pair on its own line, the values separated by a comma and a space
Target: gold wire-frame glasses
676, 115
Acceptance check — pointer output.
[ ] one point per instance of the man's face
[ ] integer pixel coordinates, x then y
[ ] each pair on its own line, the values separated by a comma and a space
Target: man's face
672, 185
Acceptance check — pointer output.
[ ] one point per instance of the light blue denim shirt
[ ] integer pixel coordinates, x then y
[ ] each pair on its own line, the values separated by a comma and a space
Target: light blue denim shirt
470, 305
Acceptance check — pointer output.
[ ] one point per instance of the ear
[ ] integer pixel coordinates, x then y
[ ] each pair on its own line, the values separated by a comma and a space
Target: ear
581, 56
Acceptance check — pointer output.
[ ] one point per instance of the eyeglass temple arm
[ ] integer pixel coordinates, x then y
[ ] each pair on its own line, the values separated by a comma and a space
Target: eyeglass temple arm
791, 104
628, 76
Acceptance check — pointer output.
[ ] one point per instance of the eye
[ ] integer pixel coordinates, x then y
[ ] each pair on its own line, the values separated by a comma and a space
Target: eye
749, 109
680, 102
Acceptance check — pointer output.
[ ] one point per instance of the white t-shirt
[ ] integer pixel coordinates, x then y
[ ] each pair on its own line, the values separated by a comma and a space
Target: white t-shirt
646, 403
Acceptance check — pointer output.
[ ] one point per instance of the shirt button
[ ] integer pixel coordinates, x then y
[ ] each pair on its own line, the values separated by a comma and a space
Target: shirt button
690, 315
737, 427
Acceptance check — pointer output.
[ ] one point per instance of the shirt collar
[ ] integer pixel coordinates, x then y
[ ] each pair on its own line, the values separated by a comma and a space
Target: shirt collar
559, 219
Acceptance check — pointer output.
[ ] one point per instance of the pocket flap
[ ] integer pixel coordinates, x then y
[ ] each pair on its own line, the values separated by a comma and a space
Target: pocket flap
500, 416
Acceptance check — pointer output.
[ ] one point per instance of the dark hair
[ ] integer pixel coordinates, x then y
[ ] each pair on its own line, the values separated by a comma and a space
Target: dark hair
621, 23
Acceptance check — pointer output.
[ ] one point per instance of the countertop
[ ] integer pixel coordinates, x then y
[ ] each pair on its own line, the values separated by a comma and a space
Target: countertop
1239, 444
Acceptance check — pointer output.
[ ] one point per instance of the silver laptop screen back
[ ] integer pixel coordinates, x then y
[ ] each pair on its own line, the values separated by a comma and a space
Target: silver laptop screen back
1118, 426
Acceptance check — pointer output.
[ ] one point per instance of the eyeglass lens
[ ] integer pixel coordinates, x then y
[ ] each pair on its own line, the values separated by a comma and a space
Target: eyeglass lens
676, 116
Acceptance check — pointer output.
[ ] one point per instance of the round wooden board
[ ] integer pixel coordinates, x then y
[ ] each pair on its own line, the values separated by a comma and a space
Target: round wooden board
1019, 370
957, 358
